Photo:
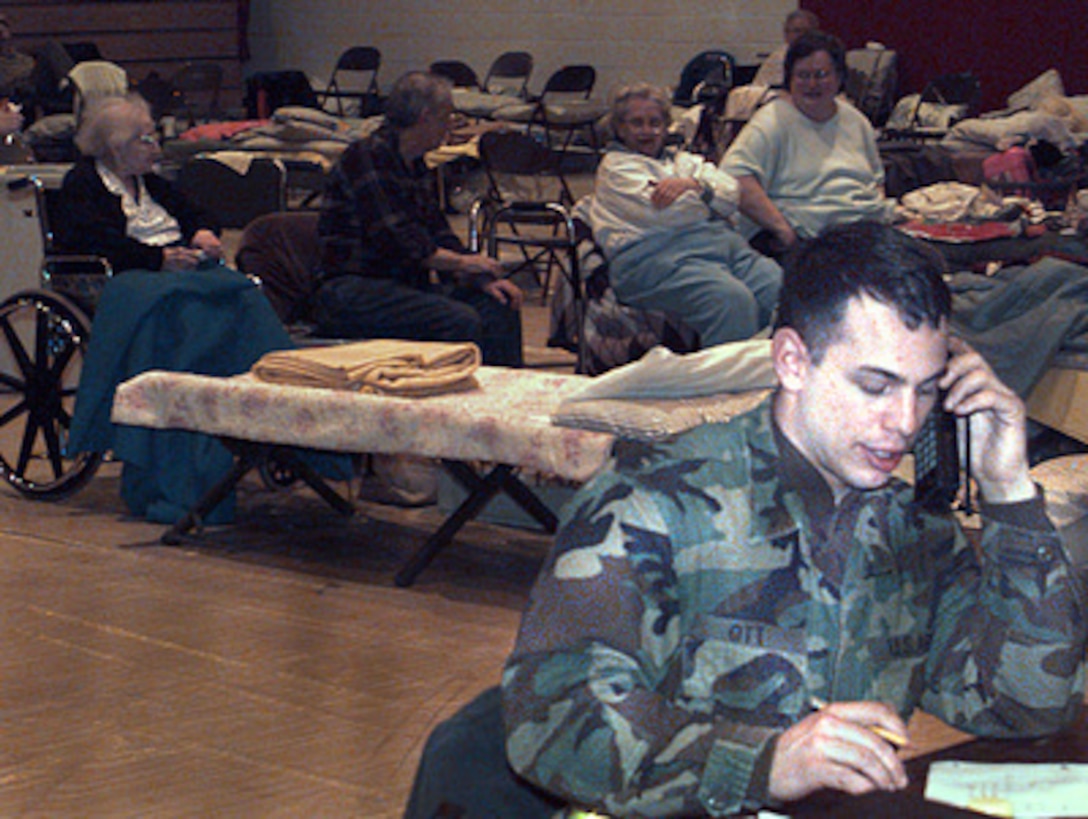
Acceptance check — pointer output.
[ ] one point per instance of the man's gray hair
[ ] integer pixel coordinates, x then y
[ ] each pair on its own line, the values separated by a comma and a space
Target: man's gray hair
109, 122
414, 93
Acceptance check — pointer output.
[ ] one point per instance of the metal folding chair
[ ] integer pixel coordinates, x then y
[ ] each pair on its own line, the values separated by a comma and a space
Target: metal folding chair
505, 83
457, 72
355, 77
509, 74
715, 64
563, 109
519, 211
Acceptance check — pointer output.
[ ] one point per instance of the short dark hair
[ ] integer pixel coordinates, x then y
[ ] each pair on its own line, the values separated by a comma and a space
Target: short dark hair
413, 93
861, 258
808, 44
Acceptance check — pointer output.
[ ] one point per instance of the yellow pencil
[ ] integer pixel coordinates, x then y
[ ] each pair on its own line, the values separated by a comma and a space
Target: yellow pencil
898, 740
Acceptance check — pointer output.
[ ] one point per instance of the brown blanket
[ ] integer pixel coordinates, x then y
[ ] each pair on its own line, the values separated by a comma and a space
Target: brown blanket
410, 369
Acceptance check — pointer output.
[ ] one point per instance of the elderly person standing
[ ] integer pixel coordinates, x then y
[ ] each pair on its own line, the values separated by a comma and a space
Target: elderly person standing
661, 216
116, 205
809, 159
769, 79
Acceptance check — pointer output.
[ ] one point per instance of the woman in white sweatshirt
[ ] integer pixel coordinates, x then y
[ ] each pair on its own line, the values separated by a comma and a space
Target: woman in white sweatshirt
661, 215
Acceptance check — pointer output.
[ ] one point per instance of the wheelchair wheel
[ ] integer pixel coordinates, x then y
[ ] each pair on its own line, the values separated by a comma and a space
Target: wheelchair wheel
43, 339
276, 474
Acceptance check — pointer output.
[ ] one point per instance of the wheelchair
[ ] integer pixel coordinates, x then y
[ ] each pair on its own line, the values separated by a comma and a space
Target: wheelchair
44, 332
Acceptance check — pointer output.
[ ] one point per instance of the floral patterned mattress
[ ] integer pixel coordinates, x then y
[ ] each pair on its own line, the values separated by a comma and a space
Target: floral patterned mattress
506, 420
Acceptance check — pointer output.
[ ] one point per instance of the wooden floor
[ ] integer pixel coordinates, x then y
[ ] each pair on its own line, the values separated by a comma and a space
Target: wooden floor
270, 670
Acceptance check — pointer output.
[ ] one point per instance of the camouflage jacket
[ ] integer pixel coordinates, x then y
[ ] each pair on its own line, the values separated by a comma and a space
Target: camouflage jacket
688, 615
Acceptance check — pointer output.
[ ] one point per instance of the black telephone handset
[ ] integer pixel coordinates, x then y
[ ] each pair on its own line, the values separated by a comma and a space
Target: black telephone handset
938, 479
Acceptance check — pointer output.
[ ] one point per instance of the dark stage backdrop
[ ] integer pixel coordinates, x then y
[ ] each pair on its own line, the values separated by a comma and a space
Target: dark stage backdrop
1006, 43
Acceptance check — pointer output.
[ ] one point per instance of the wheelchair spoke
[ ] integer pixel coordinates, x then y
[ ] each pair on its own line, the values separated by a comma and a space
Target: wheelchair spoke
13, 413
16, 345
53, 448
26, 450
41, 340
63, 417
61, 358
12, 383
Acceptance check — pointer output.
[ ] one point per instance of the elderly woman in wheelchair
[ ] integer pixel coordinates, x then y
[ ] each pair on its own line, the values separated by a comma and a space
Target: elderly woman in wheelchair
172, 305
113, 203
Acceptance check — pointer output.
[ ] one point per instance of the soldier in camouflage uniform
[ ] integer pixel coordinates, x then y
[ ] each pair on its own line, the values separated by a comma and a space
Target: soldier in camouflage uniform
705, 593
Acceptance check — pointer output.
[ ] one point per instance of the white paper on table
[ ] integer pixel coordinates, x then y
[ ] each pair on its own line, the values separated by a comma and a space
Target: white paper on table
1025, 789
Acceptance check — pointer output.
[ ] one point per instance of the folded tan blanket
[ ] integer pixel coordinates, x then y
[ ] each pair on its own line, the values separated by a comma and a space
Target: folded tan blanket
410, 369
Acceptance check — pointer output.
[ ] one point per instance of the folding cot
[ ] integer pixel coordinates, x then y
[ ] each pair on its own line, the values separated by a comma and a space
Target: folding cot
506, 423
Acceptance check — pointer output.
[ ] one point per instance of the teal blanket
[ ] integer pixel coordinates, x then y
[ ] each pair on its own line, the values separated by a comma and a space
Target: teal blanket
210, 321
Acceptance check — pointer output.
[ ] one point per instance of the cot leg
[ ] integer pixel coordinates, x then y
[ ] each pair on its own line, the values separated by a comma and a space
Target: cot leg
522, 495
470, 507
315, 481
247, 459
480, 492
249, 456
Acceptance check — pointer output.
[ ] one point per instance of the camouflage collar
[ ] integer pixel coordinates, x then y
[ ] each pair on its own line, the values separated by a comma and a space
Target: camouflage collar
797, 474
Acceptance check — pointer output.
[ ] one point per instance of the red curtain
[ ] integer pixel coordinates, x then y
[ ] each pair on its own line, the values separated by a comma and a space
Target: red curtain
1005, 44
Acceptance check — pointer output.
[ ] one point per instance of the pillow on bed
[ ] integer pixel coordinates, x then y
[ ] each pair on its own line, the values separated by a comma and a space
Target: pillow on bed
328, 150
52, 126
1076, 118
1079, 104
911, 112
1018, 129
1047, 84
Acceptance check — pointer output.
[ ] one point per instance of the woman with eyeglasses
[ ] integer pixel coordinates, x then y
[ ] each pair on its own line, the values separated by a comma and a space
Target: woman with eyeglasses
170, 305
113, 203
809, 158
